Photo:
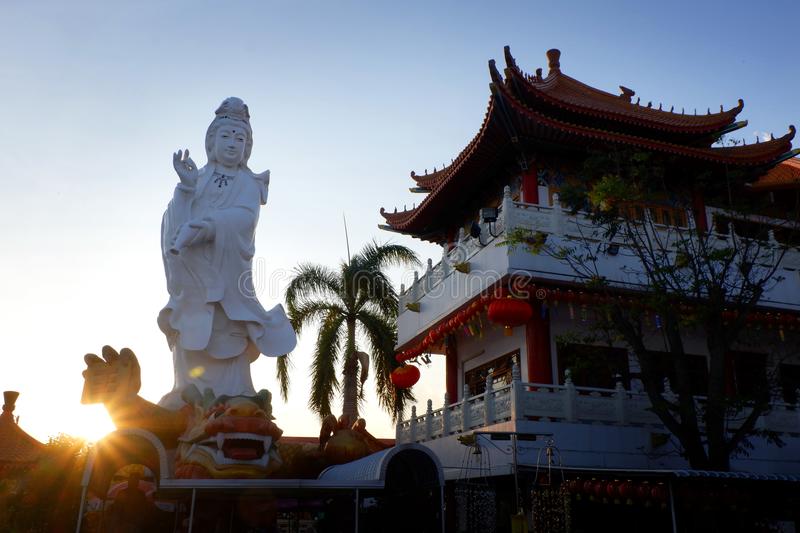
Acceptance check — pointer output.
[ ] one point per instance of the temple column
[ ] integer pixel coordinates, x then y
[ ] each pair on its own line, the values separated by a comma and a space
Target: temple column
537, 345
699, 210
530, 185
451, 368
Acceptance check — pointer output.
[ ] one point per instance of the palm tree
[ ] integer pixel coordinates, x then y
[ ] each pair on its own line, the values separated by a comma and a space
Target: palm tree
357, 301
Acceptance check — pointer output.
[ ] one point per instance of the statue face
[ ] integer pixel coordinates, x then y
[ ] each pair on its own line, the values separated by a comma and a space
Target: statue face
229, 145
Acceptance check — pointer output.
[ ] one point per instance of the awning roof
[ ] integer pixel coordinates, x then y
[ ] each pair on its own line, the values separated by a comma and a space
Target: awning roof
373, 467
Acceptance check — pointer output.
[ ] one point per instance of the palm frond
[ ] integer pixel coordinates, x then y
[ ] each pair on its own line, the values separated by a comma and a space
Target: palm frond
375, 256
379, 293
283, 367
324, 383
308, 311
313, 282
381, 336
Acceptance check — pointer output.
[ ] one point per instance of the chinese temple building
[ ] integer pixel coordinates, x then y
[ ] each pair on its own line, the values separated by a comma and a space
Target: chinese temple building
536, 377
18, 450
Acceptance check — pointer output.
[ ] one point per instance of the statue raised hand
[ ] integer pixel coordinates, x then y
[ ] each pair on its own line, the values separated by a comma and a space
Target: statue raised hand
185, 167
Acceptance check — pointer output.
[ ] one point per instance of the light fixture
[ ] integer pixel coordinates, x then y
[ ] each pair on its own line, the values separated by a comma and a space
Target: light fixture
612, 249
489, 214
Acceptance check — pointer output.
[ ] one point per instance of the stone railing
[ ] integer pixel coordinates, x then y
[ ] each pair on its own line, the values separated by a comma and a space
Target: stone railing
553, 219
521, 401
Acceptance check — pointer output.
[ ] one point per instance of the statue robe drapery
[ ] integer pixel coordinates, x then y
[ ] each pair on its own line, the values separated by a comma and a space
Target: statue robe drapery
213, 322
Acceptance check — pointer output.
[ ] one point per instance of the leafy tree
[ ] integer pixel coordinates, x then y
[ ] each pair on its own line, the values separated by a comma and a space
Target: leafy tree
355, 301
49, 494
683, 278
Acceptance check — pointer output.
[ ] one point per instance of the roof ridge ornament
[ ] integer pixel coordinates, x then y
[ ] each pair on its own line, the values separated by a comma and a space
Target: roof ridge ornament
554, 60
626, 93
510, 61
10, 400
494, 73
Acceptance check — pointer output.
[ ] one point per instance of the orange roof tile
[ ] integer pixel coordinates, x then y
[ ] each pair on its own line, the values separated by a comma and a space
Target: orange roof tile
16, 446
513, 120
566, 92
786, 175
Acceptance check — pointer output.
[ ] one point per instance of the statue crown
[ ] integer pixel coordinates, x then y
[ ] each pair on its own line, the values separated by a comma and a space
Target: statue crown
234, 108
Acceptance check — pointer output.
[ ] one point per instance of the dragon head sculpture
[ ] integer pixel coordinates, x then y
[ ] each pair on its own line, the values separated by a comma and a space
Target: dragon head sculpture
228, 437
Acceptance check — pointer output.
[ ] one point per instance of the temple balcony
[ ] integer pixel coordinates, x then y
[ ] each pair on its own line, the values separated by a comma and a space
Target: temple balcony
592, 427
475, 264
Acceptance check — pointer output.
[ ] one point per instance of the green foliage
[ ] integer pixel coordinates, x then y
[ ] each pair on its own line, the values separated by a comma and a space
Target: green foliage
354, 304
47, 497
684, 279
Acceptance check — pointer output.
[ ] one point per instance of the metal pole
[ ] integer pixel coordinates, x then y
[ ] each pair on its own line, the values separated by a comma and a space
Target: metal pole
443, 505
86, 478
516, 478
80, 509
672, 506
356, 529
191, 511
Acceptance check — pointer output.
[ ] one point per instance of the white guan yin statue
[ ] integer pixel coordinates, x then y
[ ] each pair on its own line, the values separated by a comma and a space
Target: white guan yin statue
215, 327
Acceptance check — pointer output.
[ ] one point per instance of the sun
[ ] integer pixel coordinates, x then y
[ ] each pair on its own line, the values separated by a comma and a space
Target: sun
90, 422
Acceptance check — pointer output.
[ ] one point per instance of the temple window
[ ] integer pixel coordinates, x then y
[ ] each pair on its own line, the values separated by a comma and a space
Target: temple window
750, 374
499, 368
789, 379
593, 366
698, 372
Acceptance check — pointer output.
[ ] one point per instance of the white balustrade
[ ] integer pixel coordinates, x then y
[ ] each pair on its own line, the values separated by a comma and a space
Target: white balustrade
561, 403
556, 220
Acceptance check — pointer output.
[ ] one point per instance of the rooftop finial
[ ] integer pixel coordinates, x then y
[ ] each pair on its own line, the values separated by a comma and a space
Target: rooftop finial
10, 399
553, 57
626, 93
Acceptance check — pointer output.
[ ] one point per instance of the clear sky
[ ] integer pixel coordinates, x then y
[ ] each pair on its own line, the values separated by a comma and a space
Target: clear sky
346, 99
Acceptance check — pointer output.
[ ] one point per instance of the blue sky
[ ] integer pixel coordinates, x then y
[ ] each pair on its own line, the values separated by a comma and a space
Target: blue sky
346, 99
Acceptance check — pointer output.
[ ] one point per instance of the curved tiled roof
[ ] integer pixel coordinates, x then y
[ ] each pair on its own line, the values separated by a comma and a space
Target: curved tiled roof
512, 119
785, 175
17, 448
429, 181
566, 92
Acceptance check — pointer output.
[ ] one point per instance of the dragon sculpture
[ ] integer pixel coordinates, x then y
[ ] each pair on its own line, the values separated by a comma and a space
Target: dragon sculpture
219, 437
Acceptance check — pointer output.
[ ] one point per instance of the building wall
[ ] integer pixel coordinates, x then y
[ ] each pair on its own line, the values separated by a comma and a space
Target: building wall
474, 351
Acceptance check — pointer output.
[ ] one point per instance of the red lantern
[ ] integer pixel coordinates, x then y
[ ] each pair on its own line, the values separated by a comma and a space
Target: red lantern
643, 491
625, 490
599, 489
510, 312
574, 486
611, 489
404, 377
659, 493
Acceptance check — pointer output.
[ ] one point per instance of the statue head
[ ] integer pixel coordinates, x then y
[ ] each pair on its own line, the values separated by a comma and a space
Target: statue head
232, 121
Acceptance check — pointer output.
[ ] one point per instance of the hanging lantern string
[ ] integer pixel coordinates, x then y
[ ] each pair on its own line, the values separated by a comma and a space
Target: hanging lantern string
511, 312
